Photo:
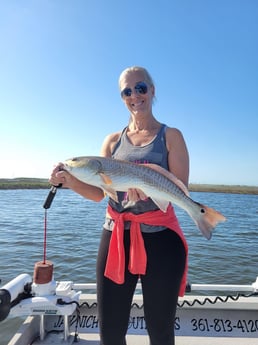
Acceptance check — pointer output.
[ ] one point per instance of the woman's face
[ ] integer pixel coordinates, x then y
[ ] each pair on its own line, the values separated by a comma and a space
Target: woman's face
137, 93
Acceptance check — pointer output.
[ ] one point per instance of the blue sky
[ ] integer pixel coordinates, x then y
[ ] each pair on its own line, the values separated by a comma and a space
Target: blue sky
60, 61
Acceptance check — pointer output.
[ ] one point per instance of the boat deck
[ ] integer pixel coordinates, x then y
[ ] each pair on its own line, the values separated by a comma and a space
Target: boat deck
93, 339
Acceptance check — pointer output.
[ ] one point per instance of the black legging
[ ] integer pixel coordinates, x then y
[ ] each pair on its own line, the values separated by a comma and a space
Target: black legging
160, 286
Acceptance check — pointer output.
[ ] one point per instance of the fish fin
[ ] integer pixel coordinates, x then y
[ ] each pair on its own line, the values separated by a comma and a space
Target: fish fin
162, 204
105, 178
169, 175
207, 219
110, 192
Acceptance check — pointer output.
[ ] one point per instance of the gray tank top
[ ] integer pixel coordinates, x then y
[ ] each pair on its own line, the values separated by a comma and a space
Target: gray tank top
154, 152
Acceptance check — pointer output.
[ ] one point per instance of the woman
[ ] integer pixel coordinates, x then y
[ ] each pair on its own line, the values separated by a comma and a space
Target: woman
144, 140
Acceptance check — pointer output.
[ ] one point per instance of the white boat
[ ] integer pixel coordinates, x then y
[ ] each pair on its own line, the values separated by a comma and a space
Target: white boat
66, 313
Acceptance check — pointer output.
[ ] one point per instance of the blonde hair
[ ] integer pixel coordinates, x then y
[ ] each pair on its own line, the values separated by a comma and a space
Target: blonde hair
146, 74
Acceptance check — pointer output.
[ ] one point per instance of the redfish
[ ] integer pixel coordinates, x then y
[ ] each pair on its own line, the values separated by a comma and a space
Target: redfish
112, 175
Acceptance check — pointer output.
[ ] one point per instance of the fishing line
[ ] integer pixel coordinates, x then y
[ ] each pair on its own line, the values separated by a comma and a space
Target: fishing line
45, 238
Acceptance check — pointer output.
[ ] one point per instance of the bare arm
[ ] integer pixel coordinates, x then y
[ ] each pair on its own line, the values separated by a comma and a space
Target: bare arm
109, 144
178, 158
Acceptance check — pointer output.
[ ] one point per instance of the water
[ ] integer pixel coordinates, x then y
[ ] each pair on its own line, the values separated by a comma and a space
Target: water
74, 225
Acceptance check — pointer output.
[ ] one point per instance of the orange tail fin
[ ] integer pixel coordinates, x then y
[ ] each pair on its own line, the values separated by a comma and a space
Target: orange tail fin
207, 219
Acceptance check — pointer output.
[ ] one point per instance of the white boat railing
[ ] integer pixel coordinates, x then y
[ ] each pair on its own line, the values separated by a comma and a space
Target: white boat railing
192, 287
221, 287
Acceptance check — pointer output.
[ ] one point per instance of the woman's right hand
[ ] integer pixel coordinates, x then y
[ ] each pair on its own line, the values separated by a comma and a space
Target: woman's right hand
60, 176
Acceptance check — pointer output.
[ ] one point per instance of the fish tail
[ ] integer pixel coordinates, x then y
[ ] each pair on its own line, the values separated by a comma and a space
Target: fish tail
206, 219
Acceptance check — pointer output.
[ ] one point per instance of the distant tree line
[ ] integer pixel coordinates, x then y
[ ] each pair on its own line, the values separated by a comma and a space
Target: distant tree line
39, 183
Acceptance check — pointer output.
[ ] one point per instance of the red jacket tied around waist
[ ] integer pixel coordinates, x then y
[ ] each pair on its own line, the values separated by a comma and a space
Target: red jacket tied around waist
115, 265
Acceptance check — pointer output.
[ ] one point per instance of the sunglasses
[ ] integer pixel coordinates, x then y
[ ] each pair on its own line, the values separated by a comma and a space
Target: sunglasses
140, 88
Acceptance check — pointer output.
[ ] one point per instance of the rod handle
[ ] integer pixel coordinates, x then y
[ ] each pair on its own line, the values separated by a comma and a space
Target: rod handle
51, 196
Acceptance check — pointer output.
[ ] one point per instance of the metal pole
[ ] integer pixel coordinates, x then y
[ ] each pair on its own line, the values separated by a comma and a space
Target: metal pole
42, 327
66, 328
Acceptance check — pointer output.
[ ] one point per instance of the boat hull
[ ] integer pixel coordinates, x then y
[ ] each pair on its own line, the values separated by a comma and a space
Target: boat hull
233, 322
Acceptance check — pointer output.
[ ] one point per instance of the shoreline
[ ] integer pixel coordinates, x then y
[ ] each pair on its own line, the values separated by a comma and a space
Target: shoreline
40, 183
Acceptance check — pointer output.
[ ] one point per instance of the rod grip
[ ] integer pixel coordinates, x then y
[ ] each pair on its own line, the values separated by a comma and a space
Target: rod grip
51, 196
